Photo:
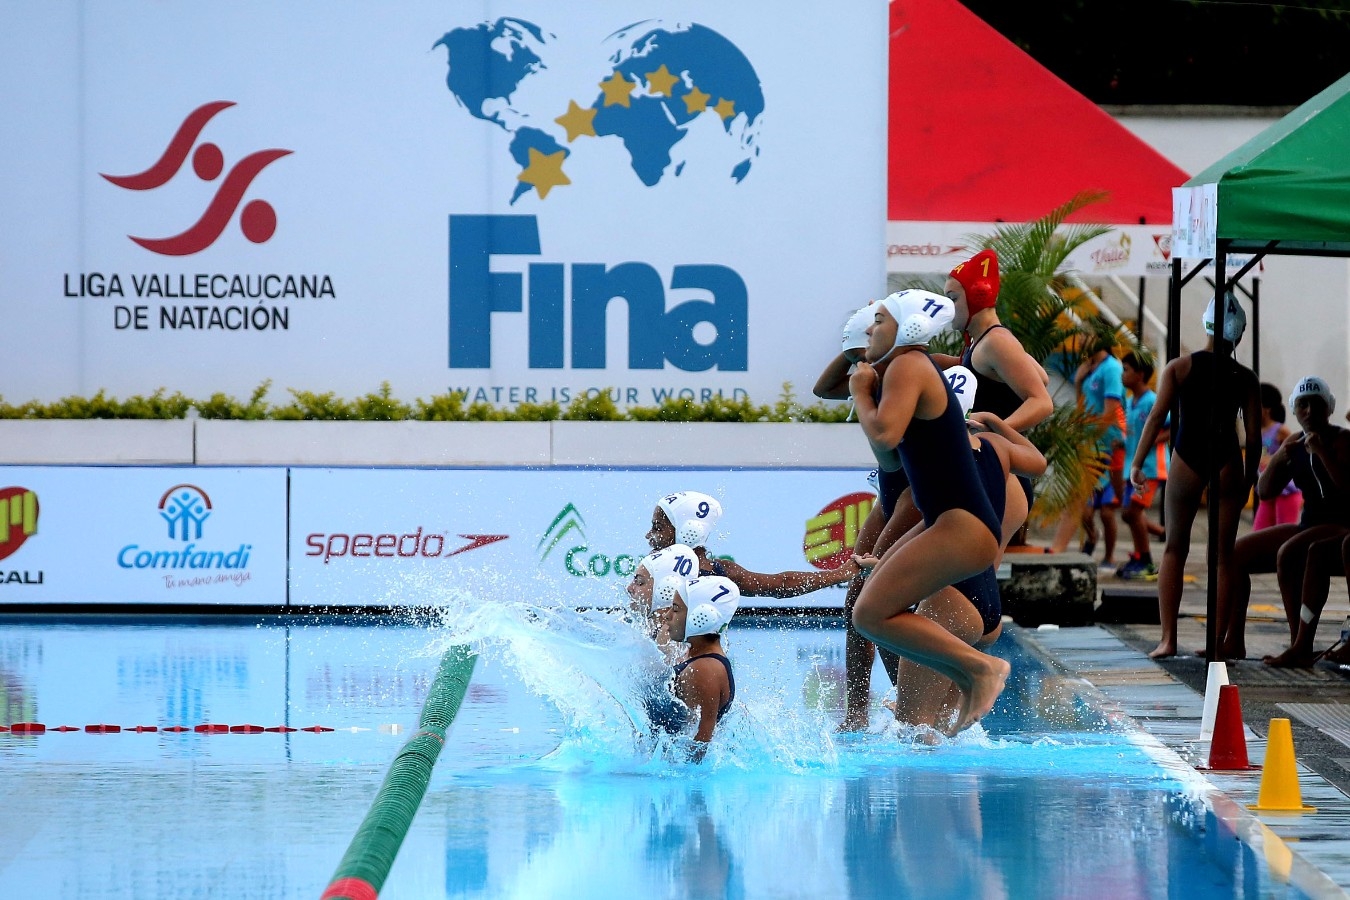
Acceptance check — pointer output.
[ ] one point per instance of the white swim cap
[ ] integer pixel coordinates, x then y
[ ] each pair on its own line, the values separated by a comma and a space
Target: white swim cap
670, 570
874, 479
693, 514
921, 316
1312, 386
1234, 322
963, 384
712, 602
855, 329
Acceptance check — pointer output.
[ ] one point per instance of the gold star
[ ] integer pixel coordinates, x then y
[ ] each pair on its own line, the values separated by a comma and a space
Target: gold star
661, 81
725, 108
617, 88
544, 172
696, 101
577, 120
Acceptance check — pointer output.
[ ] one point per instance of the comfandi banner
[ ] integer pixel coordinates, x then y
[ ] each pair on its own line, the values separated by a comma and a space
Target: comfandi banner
429, 538
159, 536
518, 201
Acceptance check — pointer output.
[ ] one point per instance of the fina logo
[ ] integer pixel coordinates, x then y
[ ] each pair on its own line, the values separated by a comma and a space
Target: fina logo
675, 99
185, 507
258, 221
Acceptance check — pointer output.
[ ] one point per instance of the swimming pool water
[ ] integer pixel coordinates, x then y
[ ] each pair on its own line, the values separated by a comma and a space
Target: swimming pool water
546, 788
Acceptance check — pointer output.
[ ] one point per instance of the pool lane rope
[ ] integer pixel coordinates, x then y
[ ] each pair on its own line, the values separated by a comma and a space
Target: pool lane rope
365, 866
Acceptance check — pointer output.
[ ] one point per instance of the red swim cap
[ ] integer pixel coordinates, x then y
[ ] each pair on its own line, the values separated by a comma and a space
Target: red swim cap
979, 276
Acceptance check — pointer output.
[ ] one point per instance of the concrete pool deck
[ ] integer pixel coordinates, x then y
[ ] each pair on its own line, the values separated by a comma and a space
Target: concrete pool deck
1166, 699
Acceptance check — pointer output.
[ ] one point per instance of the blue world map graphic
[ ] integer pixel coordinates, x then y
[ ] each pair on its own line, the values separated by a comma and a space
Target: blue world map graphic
654, 86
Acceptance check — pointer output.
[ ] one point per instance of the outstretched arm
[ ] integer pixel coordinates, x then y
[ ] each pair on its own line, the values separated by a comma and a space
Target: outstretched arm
793, 584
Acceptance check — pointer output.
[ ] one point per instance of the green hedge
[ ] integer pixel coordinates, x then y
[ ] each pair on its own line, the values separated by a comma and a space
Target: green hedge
380, 406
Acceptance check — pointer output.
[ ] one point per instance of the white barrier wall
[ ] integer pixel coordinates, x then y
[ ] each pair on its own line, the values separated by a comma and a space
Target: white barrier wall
193, 536
415, 538
310, 537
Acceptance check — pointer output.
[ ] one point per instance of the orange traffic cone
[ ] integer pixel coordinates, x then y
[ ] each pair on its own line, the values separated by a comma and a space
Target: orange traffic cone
1228, 750
1279, 782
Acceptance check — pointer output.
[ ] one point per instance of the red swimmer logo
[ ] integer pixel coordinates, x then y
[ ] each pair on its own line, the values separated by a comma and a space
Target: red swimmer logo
258, 220
18, 518
831, 533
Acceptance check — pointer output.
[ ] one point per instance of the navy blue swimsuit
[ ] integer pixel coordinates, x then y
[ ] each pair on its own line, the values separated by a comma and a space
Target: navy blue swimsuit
998, 398
982, 589
941, 466
665, 710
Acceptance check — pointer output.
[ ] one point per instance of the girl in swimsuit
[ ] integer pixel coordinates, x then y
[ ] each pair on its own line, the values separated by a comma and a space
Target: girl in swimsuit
703, 680
917, 417
1003, 457
1188, 382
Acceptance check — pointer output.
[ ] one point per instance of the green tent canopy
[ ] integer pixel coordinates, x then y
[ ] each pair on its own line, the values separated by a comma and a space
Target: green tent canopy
1286, 191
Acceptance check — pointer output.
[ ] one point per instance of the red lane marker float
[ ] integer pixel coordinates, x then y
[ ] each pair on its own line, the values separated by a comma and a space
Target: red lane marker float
142, 729
28, 728
65, 728
4, 728
208, 728
281, 729
352, 887
176, 729
316, 729
103, 729
246, 729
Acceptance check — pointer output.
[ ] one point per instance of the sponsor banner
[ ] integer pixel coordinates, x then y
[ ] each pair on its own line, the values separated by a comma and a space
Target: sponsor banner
142, 535
521, 202
424, 537
935, 247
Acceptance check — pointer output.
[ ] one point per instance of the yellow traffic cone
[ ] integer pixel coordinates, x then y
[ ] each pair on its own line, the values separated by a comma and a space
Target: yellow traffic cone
1279, 778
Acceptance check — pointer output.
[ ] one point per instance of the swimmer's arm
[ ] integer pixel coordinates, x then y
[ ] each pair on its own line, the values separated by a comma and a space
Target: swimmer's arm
946, 361
1276, 475
790, 584
1336, 457
1023, 457
700, 687
833, 382
885, 423
1251, 419
1014, 367
1167, 389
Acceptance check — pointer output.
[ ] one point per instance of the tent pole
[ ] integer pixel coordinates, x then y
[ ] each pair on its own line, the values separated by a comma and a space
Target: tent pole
1256, 327
1217, 426
1174, 312
1139, 319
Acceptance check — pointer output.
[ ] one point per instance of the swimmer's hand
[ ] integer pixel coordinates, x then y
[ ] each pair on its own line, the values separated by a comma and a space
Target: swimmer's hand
1137, 477
863, 380
865, 562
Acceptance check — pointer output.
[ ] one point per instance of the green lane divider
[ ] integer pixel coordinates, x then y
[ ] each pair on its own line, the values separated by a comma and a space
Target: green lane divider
364, 867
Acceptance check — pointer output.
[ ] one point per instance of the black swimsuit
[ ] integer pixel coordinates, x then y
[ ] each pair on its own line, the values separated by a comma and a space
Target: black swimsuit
982, 589
668, 713
995, 397
1195, 399
1323, 504
941, 466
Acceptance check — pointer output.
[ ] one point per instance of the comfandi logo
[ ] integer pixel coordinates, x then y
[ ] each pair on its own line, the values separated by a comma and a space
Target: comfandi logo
568, 530
654, 85
184, 509
258, 220
831, 533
